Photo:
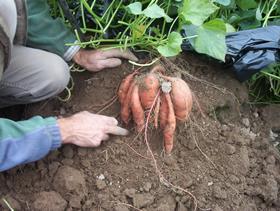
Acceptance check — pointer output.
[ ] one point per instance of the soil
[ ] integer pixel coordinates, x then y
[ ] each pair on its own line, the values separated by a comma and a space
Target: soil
224, 155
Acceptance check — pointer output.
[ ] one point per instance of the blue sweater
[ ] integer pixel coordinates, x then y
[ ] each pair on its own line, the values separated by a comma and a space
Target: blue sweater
27, 141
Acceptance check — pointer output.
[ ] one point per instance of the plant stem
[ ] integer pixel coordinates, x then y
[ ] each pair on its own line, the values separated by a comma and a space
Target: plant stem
112, 18
268, 14
96, 18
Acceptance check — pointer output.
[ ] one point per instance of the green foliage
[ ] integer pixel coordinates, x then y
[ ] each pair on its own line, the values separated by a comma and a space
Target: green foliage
223, 2
154, 26
211, 39
173, 45
150, 25
197, 11
265, 86
247, 4
154, 11
135, 8
250, 14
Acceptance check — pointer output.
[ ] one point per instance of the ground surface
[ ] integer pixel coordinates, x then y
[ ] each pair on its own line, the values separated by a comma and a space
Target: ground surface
225, 159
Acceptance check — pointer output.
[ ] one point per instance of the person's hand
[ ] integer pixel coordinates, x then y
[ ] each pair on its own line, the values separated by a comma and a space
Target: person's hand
96, 60
85, 129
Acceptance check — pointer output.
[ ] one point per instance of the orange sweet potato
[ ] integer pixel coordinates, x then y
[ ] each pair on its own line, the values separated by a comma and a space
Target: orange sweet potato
156, 112
148, 89
181, 97
125, 106
169, 129
137, 110
163, 112
123, 89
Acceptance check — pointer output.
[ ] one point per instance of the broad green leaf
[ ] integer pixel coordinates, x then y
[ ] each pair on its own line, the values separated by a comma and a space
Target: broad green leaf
247, 4
173, 45
189, 31
231, 6
154, 11
211, 39
135, 8
223, 2
197, 11
230, 28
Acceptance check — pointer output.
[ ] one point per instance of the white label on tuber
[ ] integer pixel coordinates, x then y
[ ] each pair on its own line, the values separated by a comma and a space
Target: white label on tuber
166, 87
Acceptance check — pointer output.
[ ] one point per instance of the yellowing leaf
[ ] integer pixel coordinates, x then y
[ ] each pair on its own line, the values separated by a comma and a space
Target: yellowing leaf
138, 31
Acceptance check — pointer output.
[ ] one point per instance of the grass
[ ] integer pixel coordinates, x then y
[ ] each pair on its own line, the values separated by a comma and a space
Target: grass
265, 86
7, 204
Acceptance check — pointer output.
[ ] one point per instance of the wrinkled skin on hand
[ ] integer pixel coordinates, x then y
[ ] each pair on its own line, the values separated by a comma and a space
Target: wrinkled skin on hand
85, 129
96, 60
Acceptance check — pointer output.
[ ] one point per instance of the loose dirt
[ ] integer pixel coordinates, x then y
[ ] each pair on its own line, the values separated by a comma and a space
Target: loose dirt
224, 155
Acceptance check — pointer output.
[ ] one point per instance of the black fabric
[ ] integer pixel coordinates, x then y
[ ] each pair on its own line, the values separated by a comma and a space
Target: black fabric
250, 51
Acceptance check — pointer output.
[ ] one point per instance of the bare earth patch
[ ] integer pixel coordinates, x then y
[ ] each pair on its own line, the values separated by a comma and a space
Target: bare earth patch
226, 159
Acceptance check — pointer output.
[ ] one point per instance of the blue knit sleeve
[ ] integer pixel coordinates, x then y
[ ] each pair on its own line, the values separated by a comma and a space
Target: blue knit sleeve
27, 141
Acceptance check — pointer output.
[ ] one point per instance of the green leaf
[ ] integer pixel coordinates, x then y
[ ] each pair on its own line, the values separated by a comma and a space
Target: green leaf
189, 31
223, 2
173, 45
135, 8
197, 11
247, 4
250, 24
230, 28
242, 16
211, 39
154, 11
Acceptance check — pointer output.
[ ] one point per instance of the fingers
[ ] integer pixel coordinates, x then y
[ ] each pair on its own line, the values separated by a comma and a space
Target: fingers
111, 121
116, 52
109, 63
116, 130
107, 119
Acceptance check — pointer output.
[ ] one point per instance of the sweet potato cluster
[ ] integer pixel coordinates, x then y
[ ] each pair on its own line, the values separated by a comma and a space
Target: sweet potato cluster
169, 97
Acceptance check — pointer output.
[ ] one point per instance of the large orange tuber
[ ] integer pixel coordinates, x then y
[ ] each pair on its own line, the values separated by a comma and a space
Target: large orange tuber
137, 94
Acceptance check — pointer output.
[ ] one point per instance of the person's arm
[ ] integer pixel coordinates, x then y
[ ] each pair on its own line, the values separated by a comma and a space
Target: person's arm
47, 33
27, 141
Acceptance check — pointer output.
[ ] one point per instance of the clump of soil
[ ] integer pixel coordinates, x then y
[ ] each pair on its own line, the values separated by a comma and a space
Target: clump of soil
225, 157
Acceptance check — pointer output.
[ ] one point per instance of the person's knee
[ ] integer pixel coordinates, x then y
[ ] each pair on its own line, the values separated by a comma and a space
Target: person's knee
33, 75
55, 76
60, 74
